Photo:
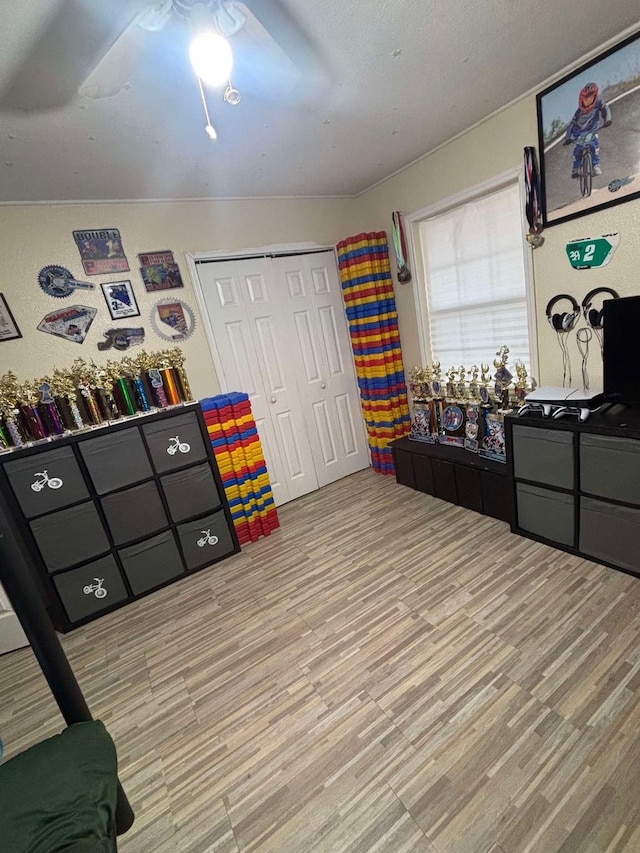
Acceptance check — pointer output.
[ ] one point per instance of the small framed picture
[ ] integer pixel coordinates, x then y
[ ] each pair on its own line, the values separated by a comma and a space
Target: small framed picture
9, 330
120, 299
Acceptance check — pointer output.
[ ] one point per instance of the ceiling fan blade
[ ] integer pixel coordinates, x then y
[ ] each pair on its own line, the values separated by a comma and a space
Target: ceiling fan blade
67, 52
114, 70
272, 56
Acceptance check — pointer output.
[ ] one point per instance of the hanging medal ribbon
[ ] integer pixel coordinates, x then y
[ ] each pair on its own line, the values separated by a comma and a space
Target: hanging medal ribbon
533, 207
400, 246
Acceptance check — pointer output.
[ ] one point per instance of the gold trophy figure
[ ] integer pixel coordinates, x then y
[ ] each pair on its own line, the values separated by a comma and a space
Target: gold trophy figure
503, 379
474, 385
461, 388
451, 385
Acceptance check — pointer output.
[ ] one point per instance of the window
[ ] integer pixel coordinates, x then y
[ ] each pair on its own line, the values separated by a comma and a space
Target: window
474, 265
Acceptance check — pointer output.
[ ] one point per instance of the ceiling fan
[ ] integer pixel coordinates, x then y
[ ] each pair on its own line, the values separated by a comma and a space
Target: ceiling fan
91, 48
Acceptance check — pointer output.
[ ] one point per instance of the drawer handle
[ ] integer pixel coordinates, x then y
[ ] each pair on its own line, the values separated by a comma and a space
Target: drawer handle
182, 446
207, 539
96, 588
52, 482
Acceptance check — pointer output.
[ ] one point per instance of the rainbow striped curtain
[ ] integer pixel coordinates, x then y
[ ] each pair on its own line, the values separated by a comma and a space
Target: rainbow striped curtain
367, 288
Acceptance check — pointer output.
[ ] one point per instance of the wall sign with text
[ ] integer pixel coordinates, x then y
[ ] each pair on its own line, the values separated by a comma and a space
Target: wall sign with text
591, 252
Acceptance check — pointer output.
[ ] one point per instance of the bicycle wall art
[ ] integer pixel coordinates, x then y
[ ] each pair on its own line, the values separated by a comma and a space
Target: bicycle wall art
587, 135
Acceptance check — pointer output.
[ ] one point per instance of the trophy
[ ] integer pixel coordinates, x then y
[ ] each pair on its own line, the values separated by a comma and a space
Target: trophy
64, 393
177, 360
503, 379
461, 388
451, 385
12, 429
436, 384
521, 386
48, 408
474, 385
415, 383
485, 396
28, 399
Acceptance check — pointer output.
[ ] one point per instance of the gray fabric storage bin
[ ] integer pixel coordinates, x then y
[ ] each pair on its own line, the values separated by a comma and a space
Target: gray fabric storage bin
205, 531
546, 513
152, 562
116, 459
65, 486
70, 536
191, 492
610, 533
610, 467
80, 604
543, 455
134, 512
166, 452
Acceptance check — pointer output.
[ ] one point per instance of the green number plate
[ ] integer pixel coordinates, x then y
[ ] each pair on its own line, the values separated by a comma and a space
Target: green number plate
592, 252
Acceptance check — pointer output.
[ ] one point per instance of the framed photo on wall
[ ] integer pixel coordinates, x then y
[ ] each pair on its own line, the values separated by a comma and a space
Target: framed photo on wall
588, 137
120, 299
9, 330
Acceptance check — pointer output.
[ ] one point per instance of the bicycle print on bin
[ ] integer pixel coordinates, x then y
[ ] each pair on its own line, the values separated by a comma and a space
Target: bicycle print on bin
587, 135
175, 446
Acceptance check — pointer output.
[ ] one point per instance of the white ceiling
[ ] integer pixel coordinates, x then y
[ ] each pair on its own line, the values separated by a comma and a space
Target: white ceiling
400, 78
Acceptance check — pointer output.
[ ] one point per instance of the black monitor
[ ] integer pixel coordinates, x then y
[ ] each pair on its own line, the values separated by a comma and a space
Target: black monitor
621, 357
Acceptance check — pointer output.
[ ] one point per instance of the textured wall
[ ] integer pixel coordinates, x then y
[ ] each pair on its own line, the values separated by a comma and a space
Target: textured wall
32, 236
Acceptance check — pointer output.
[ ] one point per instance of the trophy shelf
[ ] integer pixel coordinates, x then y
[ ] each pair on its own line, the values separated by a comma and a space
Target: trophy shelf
455, 475
113, 513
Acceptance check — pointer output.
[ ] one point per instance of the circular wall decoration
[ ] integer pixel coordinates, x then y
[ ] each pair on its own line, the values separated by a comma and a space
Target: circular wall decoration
59, 281
173, 320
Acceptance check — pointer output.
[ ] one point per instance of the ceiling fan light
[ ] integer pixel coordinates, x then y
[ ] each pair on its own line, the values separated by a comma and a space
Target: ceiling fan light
211, 58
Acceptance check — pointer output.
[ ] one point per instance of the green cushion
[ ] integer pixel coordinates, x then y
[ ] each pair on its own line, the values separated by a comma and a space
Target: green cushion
60, 795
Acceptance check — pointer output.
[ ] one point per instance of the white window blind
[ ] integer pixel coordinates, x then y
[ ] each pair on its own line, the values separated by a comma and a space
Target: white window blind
475, 280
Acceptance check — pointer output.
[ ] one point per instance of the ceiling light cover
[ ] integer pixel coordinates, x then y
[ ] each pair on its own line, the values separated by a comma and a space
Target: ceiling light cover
211, 58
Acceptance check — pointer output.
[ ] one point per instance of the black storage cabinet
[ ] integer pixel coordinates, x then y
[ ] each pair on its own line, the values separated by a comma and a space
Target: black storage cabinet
455, 475
117, 511
577, 485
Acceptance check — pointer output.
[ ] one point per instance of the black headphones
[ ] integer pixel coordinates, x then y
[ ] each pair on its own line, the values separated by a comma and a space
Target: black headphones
593, 316
566, 320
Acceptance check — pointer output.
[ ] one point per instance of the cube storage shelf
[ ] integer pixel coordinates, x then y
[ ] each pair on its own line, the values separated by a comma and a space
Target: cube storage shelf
111, 514
577, 485
455, 475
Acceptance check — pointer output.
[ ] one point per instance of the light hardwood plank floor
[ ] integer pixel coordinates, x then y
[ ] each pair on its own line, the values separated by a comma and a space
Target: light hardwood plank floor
387, 673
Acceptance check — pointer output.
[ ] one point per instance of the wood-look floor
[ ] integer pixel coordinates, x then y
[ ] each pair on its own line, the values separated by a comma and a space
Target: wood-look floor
385, 673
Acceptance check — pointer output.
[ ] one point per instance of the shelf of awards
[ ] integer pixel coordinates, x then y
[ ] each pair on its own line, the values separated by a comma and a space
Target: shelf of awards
117, 511
576, 485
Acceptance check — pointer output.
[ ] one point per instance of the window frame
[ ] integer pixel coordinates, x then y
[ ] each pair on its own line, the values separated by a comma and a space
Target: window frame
413, 221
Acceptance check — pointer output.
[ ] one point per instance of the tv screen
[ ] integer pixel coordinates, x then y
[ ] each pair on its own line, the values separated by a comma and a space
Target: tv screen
621, 324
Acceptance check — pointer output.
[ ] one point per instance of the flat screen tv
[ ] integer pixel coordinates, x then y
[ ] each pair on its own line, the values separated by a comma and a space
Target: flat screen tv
621, 324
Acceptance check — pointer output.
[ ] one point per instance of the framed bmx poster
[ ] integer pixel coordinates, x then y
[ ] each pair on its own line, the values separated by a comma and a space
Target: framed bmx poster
587, 135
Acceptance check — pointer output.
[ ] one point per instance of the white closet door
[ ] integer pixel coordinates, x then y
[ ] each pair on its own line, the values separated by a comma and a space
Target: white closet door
312, 301
253, 346
11, 634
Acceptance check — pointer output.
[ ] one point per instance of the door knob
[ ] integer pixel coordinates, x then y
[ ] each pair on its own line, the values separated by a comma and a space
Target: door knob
273, 399
323, 385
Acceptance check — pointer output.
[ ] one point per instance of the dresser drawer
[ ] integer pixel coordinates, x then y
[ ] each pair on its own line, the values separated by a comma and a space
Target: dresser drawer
205, 540
546, 513
91, 588
46, 481
115, 460
152, 562
611, 533
133, 513
543, 455
70, 536
191, 492
610, 467
175, 442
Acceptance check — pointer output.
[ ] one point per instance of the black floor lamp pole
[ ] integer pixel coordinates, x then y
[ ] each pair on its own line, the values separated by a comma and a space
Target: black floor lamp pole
16, 578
